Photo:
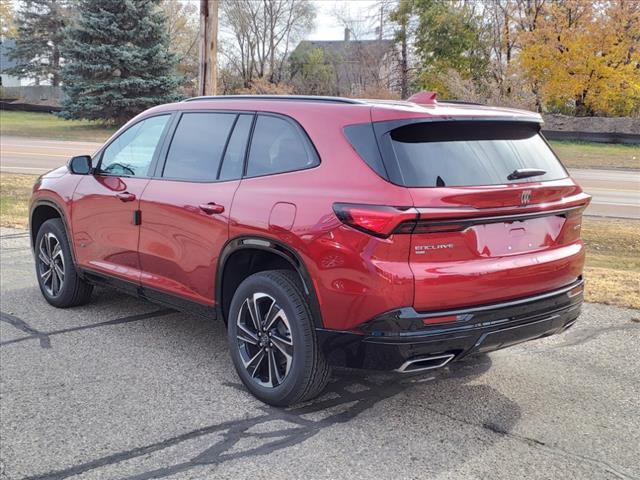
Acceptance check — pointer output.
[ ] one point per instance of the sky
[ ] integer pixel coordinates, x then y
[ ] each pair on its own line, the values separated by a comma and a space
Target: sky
327, 27
326, 24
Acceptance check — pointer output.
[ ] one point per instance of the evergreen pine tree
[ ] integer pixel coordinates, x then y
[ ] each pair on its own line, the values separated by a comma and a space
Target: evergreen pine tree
39, 35
117, 61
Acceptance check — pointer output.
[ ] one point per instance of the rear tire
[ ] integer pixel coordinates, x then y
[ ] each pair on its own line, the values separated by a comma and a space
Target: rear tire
57, 276
277, 357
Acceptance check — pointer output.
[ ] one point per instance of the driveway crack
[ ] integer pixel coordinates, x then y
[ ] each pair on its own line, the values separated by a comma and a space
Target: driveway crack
45, 337
539, 444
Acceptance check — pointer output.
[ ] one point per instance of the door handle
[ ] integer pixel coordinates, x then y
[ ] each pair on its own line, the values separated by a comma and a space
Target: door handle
211, 208
126, 196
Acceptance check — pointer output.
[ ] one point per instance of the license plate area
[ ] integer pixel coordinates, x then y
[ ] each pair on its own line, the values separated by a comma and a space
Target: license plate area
514, 237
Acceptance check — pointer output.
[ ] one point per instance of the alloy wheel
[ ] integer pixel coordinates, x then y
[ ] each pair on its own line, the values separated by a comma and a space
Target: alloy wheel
264, 340
51, 268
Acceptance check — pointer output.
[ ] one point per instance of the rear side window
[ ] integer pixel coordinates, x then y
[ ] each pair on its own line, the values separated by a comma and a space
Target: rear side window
439, 154
197, 146
234, 156
278, 146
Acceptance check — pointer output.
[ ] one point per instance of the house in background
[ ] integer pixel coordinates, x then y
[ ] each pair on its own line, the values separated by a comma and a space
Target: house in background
6, 45
346, 67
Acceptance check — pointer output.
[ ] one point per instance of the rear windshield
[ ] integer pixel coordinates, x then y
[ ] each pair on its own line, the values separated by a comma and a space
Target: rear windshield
439, 154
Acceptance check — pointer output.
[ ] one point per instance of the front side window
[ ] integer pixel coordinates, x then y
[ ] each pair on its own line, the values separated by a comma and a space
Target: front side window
197, 146
278, 146
131, 154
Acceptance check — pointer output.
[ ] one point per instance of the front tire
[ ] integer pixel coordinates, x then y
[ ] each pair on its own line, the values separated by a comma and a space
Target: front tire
272, 339
57, 276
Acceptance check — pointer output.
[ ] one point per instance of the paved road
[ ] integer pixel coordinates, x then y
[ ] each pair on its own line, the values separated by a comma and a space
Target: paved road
23, 155
615, 193
123, 389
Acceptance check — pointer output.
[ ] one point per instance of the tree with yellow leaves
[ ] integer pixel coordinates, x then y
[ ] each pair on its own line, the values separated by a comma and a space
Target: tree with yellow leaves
585, 57
7, 27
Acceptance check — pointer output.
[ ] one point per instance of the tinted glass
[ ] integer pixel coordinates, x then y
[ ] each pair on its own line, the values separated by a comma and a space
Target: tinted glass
234, 156
278, 146
197, 146
132, 152
363, 139
434, 154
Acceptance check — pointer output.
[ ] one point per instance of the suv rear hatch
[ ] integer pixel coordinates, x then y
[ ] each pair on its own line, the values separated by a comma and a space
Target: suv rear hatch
498, 217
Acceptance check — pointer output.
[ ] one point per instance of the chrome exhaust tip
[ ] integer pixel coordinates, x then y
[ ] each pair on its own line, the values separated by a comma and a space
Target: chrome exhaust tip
421, 364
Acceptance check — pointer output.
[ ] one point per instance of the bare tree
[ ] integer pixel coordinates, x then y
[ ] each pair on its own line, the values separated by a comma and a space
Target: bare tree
263, 32
357, 25
404, 23
506, 21
366, 61
182, 25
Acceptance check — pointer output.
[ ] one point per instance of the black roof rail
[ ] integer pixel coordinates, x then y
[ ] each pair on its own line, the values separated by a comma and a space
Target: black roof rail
300, 98
462, 102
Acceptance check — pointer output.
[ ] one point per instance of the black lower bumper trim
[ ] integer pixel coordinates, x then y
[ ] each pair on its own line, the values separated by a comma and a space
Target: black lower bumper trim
482, 330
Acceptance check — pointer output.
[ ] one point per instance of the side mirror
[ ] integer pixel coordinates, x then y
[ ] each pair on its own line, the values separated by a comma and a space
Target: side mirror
80, 165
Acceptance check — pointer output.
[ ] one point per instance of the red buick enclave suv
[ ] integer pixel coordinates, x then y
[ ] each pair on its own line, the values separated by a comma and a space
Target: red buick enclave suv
324, 231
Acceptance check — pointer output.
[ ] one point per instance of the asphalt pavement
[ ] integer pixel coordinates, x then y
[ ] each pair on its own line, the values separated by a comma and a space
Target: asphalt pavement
124, 389
38, 156
616, 193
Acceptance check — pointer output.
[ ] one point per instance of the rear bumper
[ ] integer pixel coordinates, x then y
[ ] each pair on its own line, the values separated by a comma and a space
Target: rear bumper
406, 340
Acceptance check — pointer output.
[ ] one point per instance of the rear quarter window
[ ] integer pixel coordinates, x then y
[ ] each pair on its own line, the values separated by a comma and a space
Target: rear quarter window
277, 146
439, 154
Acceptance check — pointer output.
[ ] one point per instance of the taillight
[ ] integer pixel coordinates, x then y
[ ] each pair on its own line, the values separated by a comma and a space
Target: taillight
572, 226
576, 213
378, 220
382, 221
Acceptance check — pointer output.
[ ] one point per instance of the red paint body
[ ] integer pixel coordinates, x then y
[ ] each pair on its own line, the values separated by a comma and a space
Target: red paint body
356, 276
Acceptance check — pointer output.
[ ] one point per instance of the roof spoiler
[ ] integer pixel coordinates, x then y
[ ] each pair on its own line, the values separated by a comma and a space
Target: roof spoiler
424, 98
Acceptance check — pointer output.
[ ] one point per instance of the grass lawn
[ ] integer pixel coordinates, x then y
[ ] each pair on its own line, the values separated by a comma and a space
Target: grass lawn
597, 155
613, 246
47, 125
15, 191
613, 261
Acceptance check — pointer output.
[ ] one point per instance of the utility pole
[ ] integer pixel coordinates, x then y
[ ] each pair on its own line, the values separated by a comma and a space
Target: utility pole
208, 72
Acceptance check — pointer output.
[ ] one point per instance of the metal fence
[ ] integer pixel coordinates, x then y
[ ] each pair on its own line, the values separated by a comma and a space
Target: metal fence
41, 98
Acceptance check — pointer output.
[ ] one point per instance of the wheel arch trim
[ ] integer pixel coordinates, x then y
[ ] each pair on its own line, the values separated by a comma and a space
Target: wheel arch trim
47, 202
270, 245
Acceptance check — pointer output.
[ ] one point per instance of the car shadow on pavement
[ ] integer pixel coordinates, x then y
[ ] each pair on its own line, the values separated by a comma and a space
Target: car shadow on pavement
448, 393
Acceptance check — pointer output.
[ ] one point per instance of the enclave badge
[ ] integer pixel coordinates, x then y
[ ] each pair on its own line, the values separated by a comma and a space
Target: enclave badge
525, 198
422, 249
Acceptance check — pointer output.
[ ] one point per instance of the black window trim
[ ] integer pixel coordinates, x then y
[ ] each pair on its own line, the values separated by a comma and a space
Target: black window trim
362, 136
308, 143
156, 154
254, 116
160, 155
226, 145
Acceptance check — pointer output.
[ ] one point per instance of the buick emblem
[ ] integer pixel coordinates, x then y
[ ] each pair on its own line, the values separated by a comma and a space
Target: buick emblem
525, 198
